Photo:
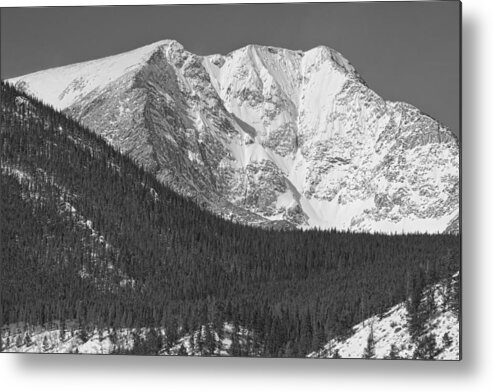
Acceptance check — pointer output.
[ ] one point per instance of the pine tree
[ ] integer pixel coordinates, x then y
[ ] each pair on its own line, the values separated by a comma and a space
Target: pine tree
200, 342
426, 347
369, 351
210, 341
429, 303
319, 338
27, 339
446, 340
248, 346
19, 341
307, 334
413, 306
83, 335
46, 344
62, 331
393, 353
113, 337
192, 343
235, 349
452, 297
182, 351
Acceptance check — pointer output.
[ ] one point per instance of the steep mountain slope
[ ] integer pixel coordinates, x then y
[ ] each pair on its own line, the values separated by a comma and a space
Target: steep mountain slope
267, 134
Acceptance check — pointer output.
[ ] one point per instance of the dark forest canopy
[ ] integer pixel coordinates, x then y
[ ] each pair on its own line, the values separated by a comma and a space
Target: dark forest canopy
88, 235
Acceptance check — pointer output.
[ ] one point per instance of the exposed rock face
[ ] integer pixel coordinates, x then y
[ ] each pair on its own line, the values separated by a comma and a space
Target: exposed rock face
266, 134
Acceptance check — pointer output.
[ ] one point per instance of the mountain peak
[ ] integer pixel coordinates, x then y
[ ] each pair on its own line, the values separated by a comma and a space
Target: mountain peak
168, 43
62, 86
322, 53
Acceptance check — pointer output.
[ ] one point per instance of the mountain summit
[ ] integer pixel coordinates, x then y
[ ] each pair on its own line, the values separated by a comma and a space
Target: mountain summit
267, 135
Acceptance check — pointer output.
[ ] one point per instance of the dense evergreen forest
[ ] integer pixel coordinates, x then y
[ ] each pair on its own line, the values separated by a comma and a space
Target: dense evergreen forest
88, 235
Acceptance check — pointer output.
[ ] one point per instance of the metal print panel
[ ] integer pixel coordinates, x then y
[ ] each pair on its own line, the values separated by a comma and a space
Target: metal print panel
232, 180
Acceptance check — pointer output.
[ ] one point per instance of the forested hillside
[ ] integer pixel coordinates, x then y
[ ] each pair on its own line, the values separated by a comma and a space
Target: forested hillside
89, 237
425, 326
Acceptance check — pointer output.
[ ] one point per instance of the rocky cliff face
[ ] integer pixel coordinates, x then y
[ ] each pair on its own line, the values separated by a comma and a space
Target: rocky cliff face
267, 135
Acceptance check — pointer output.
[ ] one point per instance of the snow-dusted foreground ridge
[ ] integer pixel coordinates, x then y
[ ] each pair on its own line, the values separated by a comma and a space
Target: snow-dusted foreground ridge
267, 134
230, 340
390, 337
385, 336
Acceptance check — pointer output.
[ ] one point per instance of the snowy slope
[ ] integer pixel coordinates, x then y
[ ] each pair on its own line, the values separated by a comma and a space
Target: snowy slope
19, 338
267, 134
62, 86
391, 328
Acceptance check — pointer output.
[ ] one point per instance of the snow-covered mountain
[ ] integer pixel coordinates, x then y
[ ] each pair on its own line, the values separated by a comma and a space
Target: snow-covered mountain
267, 135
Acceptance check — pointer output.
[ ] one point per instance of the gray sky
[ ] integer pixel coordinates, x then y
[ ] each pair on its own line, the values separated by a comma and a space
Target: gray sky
406, 51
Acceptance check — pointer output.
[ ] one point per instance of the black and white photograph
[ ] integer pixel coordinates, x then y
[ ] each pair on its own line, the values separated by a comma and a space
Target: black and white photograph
232, 180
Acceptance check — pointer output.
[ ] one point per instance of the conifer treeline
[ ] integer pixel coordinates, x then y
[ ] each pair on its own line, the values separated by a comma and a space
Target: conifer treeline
88, 234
